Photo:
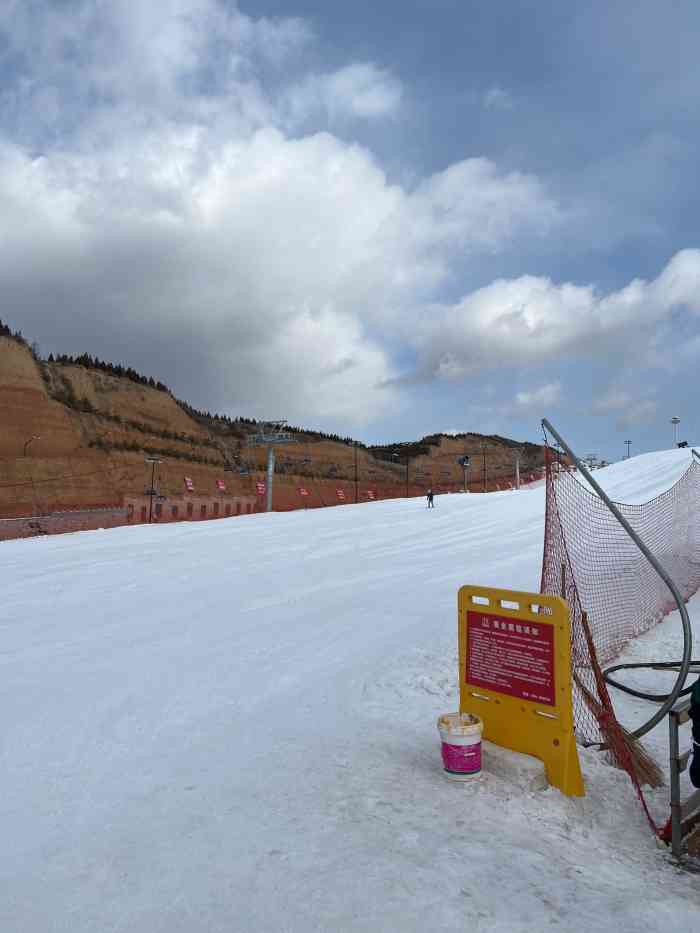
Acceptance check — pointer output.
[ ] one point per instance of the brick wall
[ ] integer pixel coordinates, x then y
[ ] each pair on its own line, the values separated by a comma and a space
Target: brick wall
134, 511
62, 522
188, 508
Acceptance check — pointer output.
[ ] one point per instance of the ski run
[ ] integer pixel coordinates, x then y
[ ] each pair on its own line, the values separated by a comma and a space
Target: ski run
231, 726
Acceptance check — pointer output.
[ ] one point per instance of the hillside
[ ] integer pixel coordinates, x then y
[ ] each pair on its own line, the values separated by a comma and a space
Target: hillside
75, 435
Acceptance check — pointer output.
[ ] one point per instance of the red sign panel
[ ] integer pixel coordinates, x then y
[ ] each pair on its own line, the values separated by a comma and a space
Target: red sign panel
340, 494
189, 485
303, 492
511, 657
221, 485
260, 488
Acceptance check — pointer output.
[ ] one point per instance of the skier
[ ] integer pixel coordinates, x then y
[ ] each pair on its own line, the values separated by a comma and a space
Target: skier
431, 504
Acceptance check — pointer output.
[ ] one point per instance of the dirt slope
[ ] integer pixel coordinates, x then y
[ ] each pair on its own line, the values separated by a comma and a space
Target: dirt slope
94, 430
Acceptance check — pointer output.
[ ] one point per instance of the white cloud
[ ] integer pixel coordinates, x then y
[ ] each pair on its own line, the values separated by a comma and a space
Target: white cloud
473, 205
162, 187
171, 207
630, 408
524, 404
643, 411
545, 396
364, 91
497, 99
360, 90
532, 320
280, 250
94, 73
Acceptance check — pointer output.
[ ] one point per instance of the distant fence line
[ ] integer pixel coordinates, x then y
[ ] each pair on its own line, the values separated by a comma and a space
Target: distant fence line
67, 520
53, 523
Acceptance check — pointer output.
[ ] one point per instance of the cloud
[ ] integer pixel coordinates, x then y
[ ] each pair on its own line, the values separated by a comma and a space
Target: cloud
357, 91
524, 404
473, 205
545, 396
497, 99
94, 72
630, 408
154, 204
168, 180
531, 320
283, 264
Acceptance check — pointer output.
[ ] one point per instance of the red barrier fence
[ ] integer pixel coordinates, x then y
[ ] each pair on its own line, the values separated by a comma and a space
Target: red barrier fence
591, 561
62, 522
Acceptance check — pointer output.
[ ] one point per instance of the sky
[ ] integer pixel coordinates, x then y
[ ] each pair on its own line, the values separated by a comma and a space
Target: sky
382, 219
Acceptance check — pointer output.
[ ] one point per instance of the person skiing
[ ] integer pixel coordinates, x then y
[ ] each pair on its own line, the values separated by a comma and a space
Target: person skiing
431, 504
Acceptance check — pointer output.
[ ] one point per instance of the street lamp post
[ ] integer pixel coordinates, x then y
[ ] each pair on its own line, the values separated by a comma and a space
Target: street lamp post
464, 463
483, 450
34, 437
152, 491
396, 456
356, 480
675, 421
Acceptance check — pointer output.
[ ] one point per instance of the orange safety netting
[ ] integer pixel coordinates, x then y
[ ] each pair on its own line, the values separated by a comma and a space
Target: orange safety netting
590, 560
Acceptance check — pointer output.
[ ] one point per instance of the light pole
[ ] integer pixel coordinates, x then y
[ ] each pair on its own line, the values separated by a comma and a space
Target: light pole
464, 463
675, 422
152, 491
356, 481
518, 454
627, 443
396, 456
34, 437
483, 450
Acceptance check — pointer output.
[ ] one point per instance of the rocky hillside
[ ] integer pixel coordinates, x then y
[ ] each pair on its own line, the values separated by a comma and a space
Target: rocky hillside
75, 433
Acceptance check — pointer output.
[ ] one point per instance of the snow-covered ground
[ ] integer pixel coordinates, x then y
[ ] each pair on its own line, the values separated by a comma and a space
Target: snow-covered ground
230, 726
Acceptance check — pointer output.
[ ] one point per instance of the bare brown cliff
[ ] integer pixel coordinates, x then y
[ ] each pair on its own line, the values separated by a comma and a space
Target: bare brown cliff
75, 437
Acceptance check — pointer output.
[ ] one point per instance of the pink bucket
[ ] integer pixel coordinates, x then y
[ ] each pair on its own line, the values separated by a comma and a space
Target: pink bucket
461, 745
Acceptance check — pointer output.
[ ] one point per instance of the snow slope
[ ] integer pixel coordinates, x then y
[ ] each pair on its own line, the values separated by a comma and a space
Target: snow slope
230, 726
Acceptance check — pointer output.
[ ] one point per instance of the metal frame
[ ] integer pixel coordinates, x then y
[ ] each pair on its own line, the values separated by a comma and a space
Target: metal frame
681, 810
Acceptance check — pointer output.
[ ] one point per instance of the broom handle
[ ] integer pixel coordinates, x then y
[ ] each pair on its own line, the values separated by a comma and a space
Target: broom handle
595, 666
687, 632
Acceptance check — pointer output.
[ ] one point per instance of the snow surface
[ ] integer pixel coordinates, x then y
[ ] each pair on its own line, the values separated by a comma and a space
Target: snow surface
230, 726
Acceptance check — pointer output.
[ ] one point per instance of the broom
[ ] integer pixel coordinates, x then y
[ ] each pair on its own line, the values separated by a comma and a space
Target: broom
626, 751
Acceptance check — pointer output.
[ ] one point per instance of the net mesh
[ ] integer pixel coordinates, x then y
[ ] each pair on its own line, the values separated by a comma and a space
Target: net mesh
591, 561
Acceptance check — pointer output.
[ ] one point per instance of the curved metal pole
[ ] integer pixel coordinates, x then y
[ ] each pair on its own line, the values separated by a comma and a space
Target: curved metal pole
687, 632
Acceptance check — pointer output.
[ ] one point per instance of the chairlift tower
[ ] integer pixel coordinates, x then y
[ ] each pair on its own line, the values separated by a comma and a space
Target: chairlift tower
272, 434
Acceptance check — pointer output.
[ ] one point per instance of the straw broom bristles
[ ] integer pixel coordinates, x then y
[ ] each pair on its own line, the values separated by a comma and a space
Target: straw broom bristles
626, 751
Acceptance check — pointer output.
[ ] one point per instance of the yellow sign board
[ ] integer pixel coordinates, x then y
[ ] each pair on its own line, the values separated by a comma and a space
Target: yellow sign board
515, 673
